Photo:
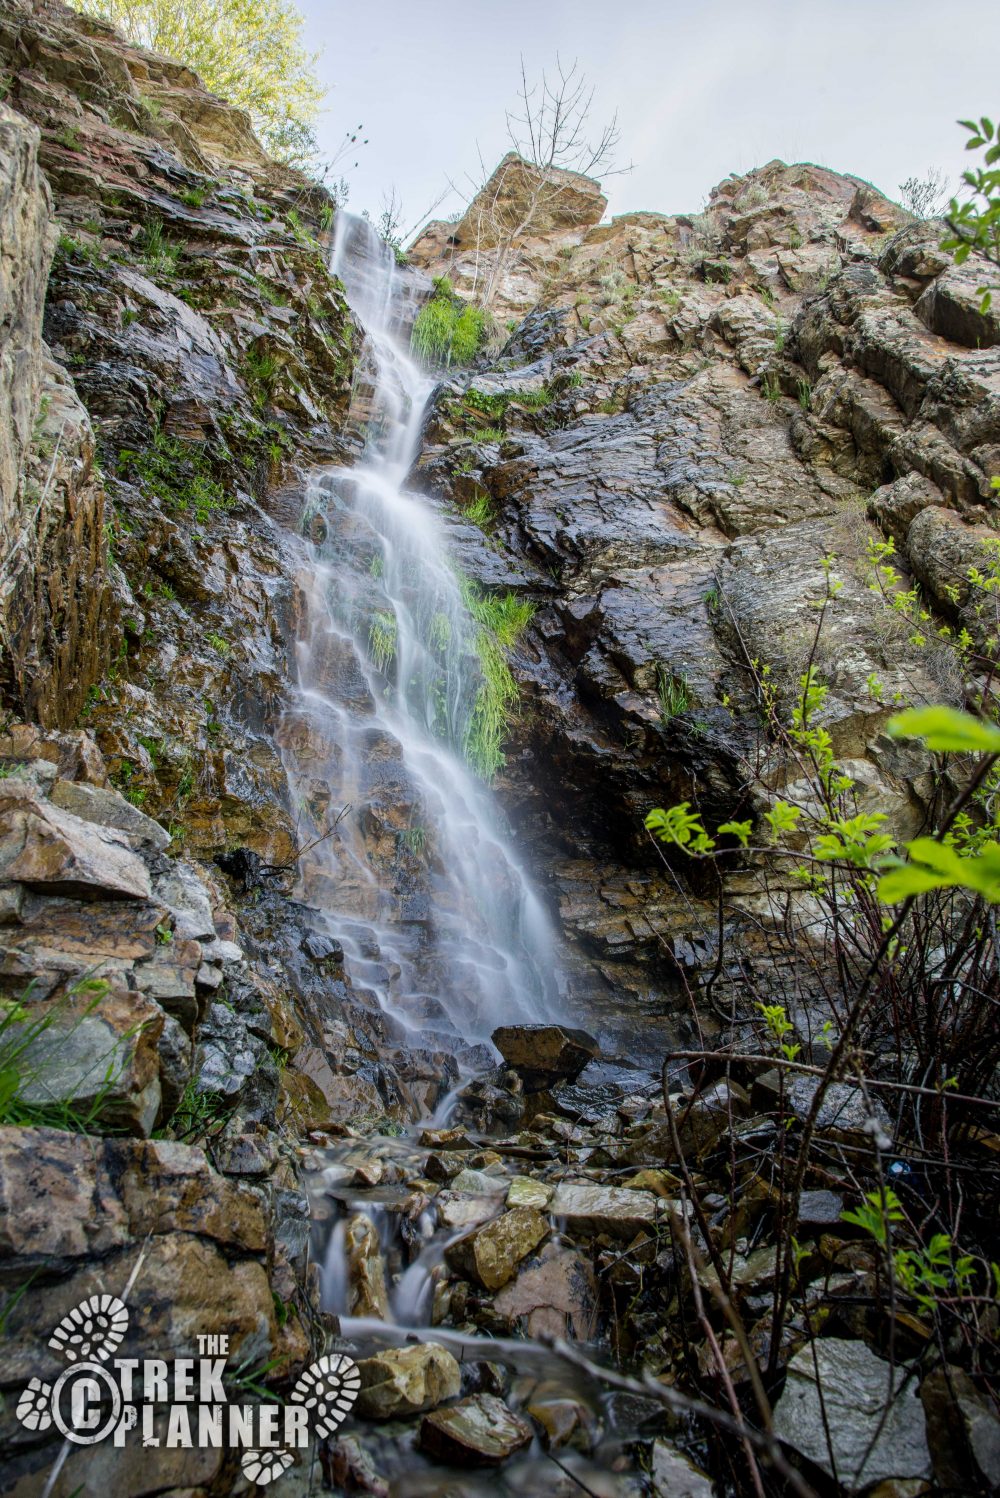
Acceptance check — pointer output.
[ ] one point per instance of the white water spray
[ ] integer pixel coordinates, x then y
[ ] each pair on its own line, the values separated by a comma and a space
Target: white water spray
418, 881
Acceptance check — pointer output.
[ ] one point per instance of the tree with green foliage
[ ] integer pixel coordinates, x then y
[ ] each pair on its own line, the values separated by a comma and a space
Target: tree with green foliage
975, 223
247, 51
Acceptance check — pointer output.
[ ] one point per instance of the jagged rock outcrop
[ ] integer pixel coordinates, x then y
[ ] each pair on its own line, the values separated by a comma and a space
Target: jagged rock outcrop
56, 606
173, 349
695, 412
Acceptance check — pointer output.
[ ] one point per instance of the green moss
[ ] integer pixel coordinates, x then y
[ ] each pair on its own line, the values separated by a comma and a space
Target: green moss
500, 618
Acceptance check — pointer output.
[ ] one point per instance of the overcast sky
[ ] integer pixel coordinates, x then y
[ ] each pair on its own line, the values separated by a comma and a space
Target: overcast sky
870, 87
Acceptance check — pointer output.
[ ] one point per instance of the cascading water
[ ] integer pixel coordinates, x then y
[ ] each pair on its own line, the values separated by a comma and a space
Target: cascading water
418, 881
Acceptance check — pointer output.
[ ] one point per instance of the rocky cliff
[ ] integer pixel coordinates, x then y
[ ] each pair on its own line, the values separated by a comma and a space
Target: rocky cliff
686, 427
690, 415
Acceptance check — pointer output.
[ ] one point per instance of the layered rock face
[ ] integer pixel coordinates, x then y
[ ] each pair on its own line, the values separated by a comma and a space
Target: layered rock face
173, 350
695, 423
693, 415
56, 609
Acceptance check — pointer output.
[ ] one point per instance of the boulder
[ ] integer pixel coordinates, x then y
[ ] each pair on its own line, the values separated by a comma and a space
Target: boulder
673, 1475
856, 1388
106, 808
490, 1254
586, 1208
526, 1192
554, 1293
543, 1055
479, 1183
406, 1381
562, 1422
367, 1295
476, 1432
963, 1431
96, 1057
458, 1211
845, 1114
57, 853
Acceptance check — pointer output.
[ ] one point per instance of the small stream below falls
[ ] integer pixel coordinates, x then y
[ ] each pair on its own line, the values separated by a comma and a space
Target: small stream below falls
408, 866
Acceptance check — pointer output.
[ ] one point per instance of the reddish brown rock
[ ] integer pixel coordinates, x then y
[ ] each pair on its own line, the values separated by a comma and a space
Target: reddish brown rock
545, 1054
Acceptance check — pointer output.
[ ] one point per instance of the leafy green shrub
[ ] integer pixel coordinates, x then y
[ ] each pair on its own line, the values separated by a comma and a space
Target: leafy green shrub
447, 330
975, 223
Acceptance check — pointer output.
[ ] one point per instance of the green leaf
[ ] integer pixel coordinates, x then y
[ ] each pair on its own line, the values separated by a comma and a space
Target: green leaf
946, 729
741, 830
935, 865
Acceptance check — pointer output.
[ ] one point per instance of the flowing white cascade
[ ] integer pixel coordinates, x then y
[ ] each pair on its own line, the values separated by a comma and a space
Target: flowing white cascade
418, 881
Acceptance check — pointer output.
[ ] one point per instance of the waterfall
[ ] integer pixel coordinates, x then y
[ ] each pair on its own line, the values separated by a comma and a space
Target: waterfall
418, 880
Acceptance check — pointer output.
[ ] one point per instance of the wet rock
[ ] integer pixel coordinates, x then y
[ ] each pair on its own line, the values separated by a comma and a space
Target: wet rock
59, 853
562, 1422
97, 1056
351, 1469
406, 1381
857, 1386
526, 1192
444, 1165
367, 1294
477, 1432
750, 1274
459, 1211
662, 1183
543, 1055
845, 1114
480, 1183
553, 1294
184, 894
491, 1106
819, 1209
445, 1139
700, 1124
485, 1378
106, 808
490, 1254
962, 1430
586, 1208
673, 1475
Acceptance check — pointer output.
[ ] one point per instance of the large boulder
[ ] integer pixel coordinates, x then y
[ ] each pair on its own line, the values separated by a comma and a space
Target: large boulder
543, 1055
527, 201
587, 1208
477, 1432
490, 1254
406, 1381
58, 853
853, 1415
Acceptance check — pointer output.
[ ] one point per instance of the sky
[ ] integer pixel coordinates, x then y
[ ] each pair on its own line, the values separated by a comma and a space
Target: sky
701, 90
